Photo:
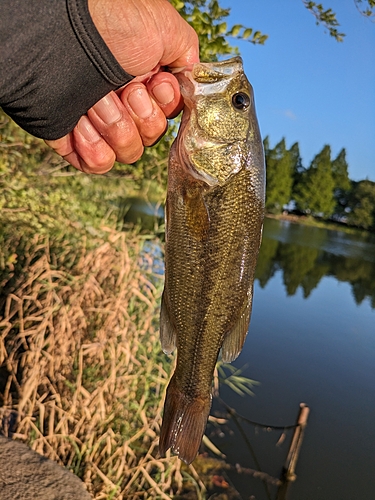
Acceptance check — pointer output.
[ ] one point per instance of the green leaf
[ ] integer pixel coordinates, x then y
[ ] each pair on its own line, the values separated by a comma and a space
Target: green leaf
235, 30
247, 33
222, 28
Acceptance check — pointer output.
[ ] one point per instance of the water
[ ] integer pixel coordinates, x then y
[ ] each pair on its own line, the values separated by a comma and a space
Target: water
312, 340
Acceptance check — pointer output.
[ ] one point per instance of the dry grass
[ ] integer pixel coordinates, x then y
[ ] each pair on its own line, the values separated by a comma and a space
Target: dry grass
85, 374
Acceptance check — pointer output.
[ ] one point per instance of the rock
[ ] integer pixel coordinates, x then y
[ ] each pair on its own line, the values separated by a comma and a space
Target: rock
24, 474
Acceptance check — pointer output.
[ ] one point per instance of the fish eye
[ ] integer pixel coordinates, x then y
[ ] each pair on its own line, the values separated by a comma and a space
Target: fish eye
241, 101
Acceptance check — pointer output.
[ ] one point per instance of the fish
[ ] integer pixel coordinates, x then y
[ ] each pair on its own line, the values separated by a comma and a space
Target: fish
214, 218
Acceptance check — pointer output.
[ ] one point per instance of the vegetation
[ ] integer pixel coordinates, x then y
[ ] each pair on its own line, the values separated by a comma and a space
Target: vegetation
322, 190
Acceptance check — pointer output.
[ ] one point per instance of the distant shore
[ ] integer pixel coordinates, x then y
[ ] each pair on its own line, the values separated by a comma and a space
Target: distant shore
308, 220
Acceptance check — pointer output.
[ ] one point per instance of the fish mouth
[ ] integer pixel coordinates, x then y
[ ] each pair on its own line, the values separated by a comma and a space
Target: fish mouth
223, 68
206, 78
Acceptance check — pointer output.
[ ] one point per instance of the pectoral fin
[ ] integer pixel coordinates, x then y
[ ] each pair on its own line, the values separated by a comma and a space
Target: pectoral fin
197, 216
168, 337
234, 340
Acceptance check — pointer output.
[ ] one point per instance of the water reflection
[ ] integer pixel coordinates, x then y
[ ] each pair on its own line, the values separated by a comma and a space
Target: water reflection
305, 255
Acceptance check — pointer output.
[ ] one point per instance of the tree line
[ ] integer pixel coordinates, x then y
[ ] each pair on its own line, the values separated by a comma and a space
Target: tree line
323, 189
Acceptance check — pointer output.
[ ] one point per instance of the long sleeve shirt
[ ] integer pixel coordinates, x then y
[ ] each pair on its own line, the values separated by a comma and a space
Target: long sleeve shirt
54, 65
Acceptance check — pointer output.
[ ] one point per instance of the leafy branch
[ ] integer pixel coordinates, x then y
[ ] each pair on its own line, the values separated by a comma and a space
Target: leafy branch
366, 7
242, 33
326, 17
208, 19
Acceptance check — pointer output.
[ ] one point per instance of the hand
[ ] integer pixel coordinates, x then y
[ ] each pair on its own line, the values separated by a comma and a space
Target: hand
143, 35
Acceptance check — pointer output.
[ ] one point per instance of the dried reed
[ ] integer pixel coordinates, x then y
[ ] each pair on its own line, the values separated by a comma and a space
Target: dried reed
84, 371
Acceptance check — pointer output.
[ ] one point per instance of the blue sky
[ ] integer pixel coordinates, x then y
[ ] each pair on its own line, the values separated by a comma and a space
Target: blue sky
308, 87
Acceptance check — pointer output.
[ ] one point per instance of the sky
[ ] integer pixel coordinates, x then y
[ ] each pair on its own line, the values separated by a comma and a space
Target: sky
308, 87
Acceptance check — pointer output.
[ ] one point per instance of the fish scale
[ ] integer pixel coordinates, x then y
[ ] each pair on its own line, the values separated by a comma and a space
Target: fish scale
214, 217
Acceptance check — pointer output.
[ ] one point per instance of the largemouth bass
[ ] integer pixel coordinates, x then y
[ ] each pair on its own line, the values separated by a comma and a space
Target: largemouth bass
214, 218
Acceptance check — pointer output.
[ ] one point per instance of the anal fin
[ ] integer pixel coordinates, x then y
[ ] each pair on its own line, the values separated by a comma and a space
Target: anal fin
168, 336
234, 340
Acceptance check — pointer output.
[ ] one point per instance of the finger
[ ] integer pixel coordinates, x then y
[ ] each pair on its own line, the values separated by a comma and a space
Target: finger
165, 90
115, 124
148, 117
65, 148
94, 154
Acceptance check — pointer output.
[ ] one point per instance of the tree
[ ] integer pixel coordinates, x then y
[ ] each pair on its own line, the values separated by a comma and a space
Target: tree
266, 145
279, 172
314, 193
297, 167
340, 171
362, 205
342, 182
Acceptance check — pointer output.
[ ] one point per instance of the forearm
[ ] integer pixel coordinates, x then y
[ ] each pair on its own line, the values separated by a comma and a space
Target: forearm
54, 65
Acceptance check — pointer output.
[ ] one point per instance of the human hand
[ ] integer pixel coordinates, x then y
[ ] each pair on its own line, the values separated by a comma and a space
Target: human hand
144, 36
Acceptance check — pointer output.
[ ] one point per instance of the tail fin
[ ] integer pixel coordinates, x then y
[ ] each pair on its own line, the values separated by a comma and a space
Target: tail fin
184, 423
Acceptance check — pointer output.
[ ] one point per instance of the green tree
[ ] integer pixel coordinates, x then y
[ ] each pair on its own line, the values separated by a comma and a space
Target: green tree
279, 177
340, 171
314, 193
266, 145
297, 167
342, 182
362, 205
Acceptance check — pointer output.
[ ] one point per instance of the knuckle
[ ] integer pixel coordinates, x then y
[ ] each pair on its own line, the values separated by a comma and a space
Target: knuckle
98, 161
153, 131
130, 155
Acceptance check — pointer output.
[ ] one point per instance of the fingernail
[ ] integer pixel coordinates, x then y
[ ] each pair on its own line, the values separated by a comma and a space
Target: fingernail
163, 93
107, 110
88, 131
140, 103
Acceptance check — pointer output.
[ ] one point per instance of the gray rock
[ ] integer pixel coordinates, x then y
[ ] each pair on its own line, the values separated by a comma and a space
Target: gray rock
25, 475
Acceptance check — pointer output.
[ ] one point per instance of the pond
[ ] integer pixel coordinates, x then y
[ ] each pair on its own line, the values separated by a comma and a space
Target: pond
312, 340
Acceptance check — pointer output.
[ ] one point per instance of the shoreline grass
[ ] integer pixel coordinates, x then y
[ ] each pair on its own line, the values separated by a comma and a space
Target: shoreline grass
85, 375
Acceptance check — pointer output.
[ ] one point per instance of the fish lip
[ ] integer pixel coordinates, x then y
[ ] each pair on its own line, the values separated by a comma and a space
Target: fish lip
206, 78
176, 71
226, 67
187, 86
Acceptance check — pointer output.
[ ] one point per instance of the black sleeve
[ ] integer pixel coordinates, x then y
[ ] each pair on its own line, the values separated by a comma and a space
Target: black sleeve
54, 65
